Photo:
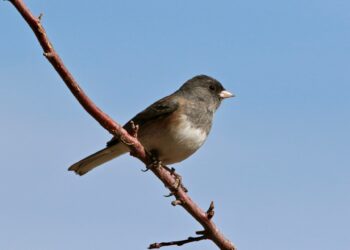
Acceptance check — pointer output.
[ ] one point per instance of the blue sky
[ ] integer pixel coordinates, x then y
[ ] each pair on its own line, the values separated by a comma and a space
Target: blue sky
276, 162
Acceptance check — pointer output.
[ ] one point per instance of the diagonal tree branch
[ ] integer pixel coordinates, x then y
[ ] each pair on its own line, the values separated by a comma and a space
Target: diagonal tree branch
168, 178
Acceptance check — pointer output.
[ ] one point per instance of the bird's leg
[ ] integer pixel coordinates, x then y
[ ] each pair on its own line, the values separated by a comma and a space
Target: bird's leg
178, 179
156, 163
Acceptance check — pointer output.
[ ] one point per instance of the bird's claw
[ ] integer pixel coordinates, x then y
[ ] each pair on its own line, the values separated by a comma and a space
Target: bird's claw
178, 180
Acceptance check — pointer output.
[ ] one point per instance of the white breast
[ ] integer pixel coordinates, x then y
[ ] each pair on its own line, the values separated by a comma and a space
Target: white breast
176, 143
181, 142
188, 136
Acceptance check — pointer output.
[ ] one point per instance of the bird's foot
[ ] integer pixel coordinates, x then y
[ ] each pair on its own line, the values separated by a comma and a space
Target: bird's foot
156, 163
178, 180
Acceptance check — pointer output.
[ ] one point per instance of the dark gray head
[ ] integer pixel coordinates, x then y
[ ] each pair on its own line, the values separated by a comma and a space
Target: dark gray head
205, 88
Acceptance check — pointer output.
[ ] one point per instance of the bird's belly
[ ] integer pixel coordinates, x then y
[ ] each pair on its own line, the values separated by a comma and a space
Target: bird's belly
176, 144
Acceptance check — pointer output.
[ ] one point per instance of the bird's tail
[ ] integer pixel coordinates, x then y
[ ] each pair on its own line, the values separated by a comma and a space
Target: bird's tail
85, 165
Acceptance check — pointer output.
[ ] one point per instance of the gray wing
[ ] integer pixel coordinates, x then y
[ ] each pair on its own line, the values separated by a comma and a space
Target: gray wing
160, 109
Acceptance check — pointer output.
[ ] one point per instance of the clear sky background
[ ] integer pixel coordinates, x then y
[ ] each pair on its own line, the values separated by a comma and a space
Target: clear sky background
276, 162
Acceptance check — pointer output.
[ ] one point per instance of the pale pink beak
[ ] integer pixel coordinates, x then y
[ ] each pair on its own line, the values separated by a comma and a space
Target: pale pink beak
225, 94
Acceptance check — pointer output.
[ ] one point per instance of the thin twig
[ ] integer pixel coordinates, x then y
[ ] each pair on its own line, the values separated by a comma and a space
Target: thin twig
177, 243
134, 129
176, 203
210, 211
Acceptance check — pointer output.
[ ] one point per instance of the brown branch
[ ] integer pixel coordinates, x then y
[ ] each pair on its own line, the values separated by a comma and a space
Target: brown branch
136, 149
177, 243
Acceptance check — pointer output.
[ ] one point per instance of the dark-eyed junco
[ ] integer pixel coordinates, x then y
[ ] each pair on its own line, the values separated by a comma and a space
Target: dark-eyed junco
172, 128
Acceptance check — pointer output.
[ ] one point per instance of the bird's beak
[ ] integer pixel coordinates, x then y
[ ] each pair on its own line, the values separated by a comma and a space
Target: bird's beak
225, 94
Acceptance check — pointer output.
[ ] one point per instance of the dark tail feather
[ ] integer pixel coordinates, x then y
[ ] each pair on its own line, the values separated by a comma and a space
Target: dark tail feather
85, 165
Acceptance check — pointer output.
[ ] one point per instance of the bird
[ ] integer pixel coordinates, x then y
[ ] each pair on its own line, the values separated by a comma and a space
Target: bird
172, 128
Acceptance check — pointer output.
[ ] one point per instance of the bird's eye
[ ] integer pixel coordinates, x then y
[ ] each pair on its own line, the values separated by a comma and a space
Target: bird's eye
212, 87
